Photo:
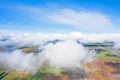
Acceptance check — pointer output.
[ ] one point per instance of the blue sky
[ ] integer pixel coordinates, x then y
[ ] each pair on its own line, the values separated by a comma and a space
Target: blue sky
60, 16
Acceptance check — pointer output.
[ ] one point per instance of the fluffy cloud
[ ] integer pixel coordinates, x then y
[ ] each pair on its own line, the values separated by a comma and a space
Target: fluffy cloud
39, 38
66, 52
17, 60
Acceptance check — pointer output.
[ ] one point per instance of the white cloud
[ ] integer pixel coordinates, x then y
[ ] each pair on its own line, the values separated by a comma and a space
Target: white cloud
82, 20
67, 53
17, 60
39, 38
64, 53
89, 21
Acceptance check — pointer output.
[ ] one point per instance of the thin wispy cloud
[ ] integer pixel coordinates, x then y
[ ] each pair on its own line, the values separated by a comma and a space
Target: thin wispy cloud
65, 18
81, 20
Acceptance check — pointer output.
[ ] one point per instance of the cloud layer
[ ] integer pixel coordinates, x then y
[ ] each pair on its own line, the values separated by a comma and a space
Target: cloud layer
58, 49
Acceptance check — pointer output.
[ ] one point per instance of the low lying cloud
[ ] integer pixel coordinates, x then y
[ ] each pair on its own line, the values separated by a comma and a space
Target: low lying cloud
17, 60
67, 53
62, 54
58, 49
40, 39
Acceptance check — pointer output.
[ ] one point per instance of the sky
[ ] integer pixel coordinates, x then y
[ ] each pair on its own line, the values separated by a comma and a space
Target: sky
60, 16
